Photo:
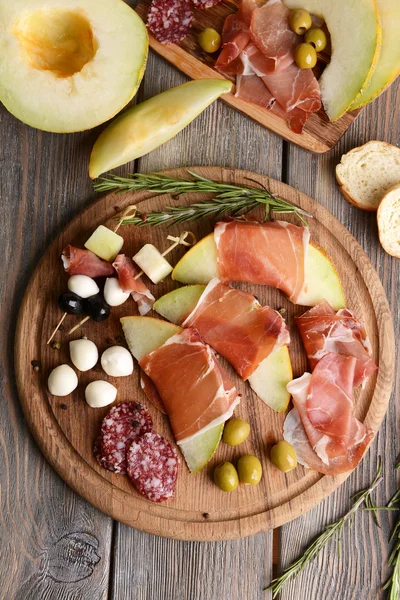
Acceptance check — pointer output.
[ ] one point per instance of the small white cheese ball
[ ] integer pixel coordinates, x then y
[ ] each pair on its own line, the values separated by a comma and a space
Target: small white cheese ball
114, 295
117, 361
83, 286
84, 354
62, 381
100, 393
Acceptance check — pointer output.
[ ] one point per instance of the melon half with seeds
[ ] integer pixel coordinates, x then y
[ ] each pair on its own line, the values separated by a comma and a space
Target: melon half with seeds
69, 65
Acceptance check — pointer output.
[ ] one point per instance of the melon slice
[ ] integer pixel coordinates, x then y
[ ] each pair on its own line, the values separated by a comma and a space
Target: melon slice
151, 123
144, 335
199, 265
388, 67
69, 65
272, 375
356, 33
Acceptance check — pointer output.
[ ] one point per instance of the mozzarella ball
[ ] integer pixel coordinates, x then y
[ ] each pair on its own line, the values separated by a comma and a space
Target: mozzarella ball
83, 286
100, 393
117, 361
114, 295
84, 354
62, 381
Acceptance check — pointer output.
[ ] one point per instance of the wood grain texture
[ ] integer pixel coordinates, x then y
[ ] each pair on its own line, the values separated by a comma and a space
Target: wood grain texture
319, 135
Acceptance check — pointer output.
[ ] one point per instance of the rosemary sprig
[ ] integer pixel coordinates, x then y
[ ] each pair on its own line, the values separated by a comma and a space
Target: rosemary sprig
332, 530
393, 583
229, 198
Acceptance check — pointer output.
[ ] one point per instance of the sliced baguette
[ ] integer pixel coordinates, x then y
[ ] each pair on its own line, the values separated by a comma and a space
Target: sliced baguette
389, 221
367, 173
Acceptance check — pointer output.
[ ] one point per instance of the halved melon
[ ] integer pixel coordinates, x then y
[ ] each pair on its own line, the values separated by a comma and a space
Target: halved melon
356, 34
388, 67
272, 375
199, 265
144, 335
69, 65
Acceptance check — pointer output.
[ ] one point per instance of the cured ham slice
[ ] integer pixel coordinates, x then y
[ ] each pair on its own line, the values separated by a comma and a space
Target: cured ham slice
325, 407
195, 391
271, 32
83, 262
129, 282
271, 253
295, 88
323, 331
151, 391
237, 326
251, 89
235, 37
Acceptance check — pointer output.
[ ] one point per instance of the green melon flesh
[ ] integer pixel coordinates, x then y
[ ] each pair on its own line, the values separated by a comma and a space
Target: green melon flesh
104, 243
199, 265
271, 377
69, 65
148, 125
355, 31
388, 67
178, 304
144, 335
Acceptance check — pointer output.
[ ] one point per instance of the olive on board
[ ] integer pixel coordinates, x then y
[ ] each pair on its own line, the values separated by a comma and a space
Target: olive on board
209, 40
300, 21
236, 431
284, 456
305, 56
226, 477
249, 469
317, 38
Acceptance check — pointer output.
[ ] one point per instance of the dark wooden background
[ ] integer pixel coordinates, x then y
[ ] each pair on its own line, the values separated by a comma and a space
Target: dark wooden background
53, 544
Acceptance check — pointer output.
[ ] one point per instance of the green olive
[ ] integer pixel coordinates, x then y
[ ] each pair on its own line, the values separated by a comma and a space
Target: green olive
305, 56
209, 40
249, 469
236, 431
300, 21
226, 477
317, 38
283, 455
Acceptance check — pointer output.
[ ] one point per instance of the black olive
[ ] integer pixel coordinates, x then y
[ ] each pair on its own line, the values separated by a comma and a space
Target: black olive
71, 303
96, 307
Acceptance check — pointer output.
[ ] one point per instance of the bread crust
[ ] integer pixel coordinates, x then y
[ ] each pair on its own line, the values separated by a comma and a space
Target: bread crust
389, 236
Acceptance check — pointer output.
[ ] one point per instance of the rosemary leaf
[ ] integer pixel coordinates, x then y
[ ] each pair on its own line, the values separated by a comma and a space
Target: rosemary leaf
393, 582
231, 198
333, 530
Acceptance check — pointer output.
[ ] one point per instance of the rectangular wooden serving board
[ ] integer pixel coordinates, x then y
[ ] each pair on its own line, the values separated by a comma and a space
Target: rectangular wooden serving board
319, 135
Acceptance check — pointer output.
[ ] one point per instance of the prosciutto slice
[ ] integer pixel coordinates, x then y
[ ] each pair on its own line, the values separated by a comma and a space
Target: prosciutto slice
195, 391
237, 326
83, 262
323, 331
325, 408
235, 37
271, 33
127, 277
271, 253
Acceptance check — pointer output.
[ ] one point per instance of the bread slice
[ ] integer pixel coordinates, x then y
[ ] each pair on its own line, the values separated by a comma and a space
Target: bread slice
389, 221
366, 174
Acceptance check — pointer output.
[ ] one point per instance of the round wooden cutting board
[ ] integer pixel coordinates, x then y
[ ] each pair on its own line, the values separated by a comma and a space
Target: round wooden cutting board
65, 428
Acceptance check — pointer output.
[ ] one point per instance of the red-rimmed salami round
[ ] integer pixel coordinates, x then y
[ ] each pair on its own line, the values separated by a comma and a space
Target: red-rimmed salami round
99, 457
152, 466
124, 424
206, 3
169, 20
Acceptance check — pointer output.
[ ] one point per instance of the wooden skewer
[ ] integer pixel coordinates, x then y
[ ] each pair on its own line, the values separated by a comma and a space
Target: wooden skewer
56, 329
79, 324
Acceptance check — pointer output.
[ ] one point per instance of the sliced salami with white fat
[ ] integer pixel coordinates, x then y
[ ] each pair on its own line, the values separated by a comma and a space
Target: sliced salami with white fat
152, 466
206, 3
170, 20
124, 424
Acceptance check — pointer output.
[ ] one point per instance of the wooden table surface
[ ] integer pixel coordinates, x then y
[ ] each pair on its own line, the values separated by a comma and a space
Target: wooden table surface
53, 544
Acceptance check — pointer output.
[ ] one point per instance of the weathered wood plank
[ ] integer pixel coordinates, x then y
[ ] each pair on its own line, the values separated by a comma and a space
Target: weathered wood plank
192, 570
361, 569
53, 544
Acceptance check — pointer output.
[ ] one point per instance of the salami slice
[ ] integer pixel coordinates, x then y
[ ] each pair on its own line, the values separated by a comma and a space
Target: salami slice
169, 20
124, 424
152, 466
99, 457
206, 3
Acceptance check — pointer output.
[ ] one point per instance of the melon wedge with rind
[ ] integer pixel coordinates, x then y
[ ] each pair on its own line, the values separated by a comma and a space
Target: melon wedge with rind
150, 124
355, 30
322, 281
144, 335
270, 379
177, 305
69, 65
388, 67
272, 375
